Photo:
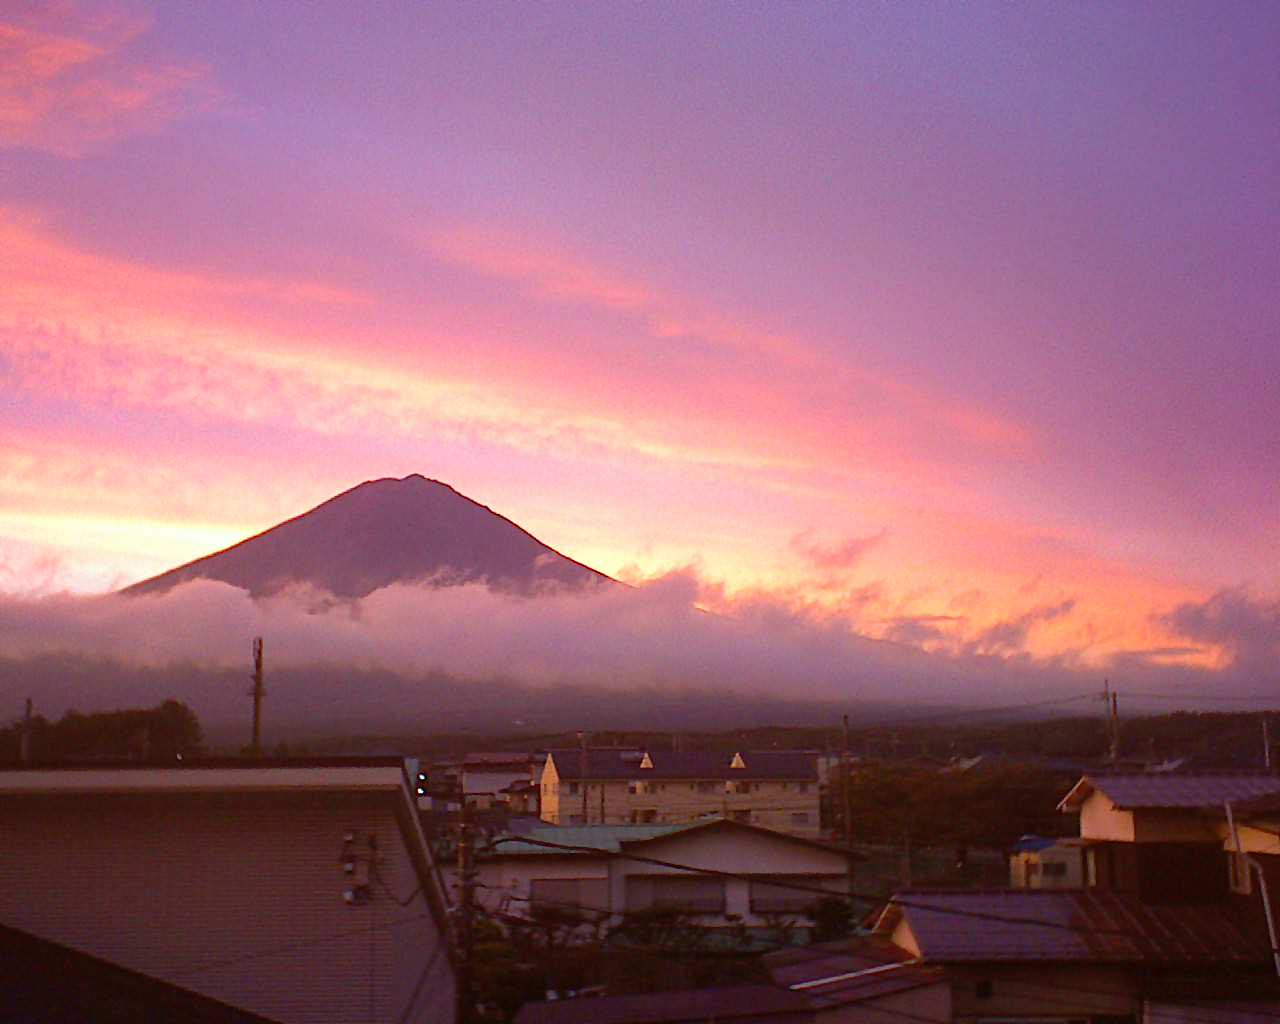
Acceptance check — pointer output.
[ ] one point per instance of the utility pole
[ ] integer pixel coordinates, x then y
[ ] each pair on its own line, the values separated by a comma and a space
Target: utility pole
24, 744
1266, 739
255, 748
467, 880
845, 795
582, 739
1115, 727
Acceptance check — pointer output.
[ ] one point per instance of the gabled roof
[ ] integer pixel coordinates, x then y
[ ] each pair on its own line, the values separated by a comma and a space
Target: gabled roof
1133, 791
608, 838
1028, 925
797, 765
613, 839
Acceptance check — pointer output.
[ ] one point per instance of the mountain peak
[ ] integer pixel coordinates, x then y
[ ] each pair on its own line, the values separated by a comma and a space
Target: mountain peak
385, 531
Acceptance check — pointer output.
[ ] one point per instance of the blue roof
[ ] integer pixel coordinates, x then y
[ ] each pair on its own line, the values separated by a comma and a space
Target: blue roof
1032, 844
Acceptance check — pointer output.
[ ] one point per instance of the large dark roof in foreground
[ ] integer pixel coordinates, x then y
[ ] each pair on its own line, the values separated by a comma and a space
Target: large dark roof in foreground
46, 983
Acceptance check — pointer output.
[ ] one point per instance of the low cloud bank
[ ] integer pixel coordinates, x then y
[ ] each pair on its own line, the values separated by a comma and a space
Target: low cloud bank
404, 652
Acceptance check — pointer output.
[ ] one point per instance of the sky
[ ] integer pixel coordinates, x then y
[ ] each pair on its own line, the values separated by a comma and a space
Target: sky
954, 324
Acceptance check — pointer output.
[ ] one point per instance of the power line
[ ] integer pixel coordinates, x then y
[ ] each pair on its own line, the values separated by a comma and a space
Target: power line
210, 965
851, 896
1074, 1003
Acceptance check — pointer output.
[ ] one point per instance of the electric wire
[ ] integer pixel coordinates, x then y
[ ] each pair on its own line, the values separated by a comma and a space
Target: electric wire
1049, 993
292, 947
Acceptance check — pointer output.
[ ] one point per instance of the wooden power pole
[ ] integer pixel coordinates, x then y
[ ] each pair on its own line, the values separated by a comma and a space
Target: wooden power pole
845, 795
255, 747
582, 737
24, 743
466, 906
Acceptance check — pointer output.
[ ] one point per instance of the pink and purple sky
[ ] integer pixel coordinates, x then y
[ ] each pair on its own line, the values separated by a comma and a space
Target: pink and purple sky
956, 321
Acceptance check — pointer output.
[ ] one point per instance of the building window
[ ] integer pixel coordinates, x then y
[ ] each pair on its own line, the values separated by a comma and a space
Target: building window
800, 818
803, 787
786, 894
1054, 869
573, 789
695, 894
737, 787
706, 787
742, 816
568, 895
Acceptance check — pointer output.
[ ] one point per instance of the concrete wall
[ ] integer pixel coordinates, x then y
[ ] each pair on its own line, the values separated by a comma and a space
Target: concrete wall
238, 897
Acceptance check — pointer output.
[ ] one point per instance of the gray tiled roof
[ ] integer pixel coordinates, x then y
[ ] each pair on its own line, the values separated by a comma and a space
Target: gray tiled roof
796, 765
1130, 791
1069, 926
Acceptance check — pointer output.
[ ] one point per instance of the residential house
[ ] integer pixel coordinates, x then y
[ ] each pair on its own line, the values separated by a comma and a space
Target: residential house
729, 872
1055, 955
1161, 930
291, 890
775, 789
1038, 862
486, 776
1168, 836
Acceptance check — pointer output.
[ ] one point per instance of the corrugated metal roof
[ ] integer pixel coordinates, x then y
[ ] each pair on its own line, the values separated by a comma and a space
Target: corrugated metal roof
688, 764
1133, 791
892, 970
1038, 925
743, 1004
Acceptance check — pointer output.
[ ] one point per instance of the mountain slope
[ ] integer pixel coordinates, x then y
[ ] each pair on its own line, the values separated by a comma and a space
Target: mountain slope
386, 531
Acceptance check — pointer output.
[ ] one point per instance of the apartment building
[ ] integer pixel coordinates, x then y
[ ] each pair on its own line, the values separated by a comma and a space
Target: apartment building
295, 891
776, 789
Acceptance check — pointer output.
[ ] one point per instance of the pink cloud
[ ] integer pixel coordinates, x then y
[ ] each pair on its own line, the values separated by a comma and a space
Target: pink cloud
70, 84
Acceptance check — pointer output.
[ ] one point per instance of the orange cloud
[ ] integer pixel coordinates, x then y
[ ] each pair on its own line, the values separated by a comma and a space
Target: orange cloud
70, 88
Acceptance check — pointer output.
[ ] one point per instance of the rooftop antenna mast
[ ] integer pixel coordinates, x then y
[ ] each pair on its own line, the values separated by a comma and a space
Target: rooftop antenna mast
255, 748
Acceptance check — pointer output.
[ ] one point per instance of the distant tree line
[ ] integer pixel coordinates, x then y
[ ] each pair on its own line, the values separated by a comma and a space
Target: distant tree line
161, 733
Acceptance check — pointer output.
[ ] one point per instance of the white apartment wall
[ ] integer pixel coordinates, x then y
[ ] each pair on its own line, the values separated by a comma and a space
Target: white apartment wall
505, 881
235, 896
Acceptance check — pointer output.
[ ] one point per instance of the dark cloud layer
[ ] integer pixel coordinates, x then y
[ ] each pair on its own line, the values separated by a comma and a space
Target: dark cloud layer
465, 656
